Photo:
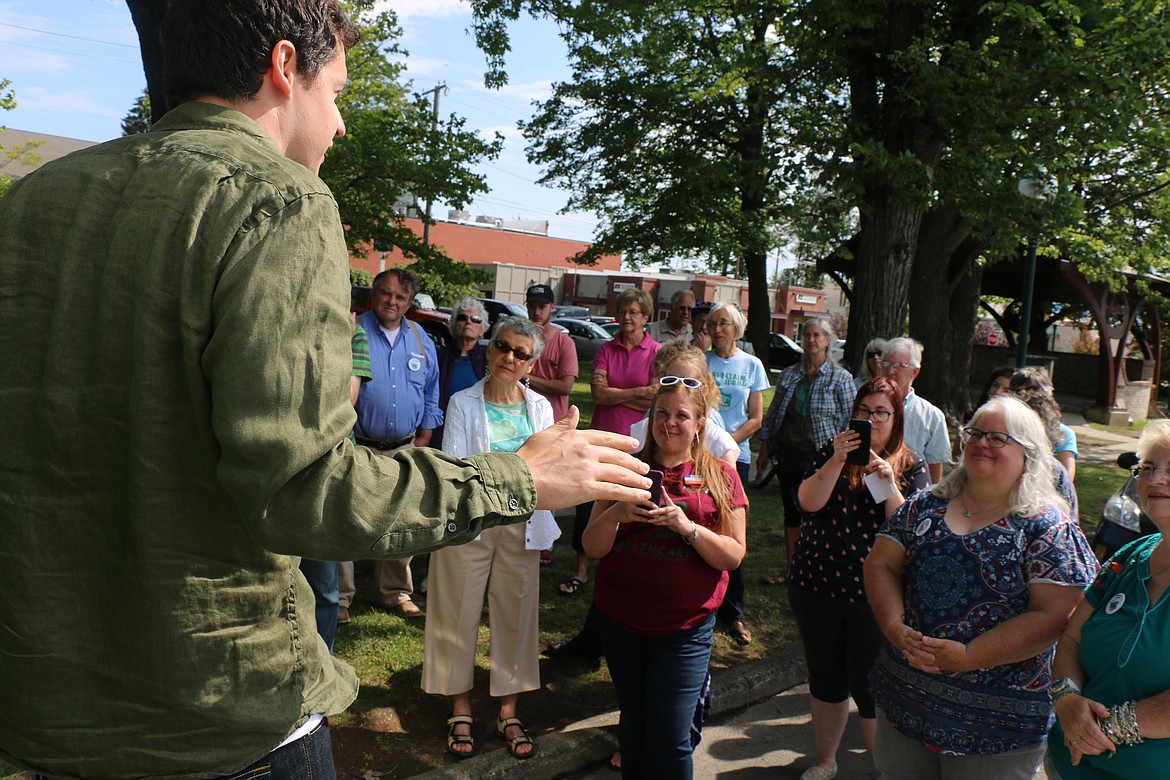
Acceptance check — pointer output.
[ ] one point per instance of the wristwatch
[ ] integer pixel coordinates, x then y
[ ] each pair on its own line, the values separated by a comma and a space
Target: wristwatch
1058, 689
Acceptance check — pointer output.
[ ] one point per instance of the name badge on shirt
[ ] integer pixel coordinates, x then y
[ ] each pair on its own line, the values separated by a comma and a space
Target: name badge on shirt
1115, 603
414, 364
692, 483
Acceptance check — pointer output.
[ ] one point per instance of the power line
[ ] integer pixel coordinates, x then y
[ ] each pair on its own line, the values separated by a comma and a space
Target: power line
66, 35
67, 53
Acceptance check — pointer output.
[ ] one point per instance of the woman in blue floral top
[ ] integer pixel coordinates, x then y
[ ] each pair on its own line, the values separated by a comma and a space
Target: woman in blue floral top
971, 584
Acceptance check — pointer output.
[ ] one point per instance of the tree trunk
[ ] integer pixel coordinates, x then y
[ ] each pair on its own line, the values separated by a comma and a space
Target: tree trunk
944, 294
881, 281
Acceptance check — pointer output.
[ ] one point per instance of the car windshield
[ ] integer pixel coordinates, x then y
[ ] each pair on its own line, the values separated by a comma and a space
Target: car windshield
423, 301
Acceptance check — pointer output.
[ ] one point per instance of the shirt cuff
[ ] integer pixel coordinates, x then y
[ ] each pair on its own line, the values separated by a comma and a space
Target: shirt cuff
508, 483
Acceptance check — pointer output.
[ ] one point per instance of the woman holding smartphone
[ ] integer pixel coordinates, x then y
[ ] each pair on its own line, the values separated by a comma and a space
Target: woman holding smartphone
841, 519
662, 575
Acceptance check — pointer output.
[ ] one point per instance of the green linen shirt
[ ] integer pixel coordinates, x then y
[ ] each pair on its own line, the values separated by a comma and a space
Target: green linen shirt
175, 395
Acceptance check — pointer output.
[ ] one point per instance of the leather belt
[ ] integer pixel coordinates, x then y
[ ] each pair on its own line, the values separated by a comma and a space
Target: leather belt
384, 444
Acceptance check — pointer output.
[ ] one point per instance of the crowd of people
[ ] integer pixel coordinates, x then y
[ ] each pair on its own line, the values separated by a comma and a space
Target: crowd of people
184, 563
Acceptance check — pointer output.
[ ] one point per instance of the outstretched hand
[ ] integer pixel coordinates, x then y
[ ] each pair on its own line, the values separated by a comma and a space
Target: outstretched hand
571, 467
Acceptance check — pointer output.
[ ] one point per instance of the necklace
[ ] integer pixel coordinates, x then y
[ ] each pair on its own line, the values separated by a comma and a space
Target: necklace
968, 513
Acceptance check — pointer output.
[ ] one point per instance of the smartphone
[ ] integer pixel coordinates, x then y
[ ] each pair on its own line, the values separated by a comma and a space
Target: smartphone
656, 487
860, 456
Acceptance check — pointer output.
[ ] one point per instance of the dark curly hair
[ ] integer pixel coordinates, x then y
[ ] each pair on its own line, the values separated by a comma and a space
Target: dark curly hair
223, 48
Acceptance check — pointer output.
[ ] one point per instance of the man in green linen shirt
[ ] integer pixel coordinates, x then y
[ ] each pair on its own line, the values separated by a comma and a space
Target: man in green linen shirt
174, 335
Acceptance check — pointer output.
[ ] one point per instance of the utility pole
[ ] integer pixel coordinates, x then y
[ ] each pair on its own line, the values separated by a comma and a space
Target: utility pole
442, 87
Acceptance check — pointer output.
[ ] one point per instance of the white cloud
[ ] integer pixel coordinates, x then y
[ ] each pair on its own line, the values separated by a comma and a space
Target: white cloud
407, 9
532, 90
69, 102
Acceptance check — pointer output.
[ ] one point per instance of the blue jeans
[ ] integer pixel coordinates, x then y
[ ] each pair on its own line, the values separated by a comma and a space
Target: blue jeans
322, 577
309, 758
658, 681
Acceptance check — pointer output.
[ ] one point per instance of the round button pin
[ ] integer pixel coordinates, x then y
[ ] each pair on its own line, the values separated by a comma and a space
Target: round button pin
1115, 603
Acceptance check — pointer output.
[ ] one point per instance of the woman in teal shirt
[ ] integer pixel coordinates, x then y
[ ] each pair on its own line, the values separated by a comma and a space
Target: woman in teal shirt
1111, 679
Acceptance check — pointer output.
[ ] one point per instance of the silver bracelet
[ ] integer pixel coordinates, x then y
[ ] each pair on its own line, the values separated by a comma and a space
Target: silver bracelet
1121, 726
693, 536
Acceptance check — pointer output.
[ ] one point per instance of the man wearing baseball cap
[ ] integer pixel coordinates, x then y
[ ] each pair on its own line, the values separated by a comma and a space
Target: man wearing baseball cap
554, 371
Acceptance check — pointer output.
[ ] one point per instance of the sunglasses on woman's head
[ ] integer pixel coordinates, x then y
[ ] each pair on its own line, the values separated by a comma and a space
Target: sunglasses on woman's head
465, 317
687, 381
503, 346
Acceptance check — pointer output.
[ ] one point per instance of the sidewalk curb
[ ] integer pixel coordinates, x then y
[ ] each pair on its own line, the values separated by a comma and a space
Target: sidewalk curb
591, 741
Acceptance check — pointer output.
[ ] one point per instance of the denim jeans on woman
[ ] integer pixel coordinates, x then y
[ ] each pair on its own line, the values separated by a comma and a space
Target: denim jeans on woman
658, 682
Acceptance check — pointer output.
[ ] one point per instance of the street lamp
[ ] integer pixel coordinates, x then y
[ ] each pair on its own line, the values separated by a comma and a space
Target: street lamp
1033, 189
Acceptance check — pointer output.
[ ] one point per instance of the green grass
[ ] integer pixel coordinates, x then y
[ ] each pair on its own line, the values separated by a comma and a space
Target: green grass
1134, 427
1094, 485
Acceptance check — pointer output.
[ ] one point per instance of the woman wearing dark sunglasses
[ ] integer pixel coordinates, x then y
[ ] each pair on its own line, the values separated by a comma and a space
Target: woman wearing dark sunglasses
496, 414
972, 583
463, 361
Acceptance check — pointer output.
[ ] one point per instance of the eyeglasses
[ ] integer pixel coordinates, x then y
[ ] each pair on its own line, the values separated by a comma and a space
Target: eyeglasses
877, 415
872, 355
1148, 471
505, 347
896, 365
687, 381
995, 439
465, 317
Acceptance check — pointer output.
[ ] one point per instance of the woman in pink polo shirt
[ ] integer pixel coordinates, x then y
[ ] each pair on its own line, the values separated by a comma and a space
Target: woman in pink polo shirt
623, 385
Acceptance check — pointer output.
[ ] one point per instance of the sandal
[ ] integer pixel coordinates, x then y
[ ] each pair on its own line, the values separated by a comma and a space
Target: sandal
571, 587
546, 557
454, 739
502, 726
739, 632
779, 579
615, 761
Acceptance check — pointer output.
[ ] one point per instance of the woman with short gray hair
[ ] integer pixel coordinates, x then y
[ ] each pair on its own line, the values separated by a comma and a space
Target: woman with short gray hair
496, 414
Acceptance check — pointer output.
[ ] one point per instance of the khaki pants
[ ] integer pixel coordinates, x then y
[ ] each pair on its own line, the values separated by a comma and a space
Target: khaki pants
497, 562
392, 576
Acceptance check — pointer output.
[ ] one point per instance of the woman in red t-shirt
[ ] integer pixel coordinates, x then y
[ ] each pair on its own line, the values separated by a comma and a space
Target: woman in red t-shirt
662, 575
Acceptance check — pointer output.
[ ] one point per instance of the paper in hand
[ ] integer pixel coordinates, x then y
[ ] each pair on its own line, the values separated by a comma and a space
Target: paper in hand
879, 488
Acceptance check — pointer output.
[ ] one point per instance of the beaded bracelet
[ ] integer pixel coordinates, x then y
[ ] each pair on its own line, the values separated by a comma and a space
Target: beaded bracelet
1121, 727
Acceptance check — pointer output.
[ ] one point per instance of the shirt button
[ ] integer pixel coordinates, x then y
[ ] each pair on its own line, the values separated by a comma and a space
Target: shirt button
452, 528
513, 504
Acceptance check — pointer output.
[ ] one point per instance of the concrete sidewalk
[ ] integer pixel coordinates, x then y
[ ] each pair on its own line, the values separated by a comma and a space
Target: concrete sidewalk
578, 749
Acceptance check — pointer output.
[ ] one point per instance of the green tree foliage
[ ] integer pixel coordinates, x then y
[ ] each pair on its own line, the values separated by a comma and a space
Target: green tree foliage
893, 131
137, 119
393, 151
16, 153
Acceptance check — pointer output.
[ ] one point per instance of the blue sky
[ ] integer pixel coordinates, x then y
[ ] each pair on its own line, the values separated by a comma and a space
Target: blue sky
75, 68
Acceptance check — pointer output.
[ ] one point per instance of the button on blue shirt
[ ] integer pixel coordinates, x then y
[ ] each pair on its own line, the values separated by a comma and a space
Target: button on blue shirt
403, 396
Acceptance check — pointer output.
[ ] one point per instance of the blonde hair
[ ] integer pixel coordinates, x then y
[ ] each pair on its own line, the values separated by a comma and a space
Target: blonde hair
634, 295
681, 350
715, 479
1036, 487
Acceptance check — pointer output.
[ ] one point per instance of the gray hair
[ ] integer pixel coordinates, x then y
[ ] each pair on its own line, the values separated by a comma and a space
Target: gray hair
912, 348
1036, 487
521, 326
879, 345
734, 314
1155, 434
830, 336
467, 305
678, 296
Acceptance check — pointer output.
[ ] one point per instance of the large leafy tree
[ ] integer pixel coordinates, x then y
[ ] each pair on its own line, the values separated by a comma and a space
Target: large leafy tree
893, 130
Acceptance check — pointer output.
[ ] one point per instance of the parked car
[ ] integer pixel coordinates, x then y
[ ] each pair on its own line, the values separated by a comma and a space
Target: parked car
586, 335
838, 350
782, 351
612, 328
496, 309
434, 323
565, 310
601, 320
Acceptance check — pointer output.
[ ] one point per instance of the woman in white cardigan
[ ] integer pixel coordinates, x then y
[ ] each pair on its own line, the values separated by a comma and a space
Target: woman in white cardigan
497, 414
